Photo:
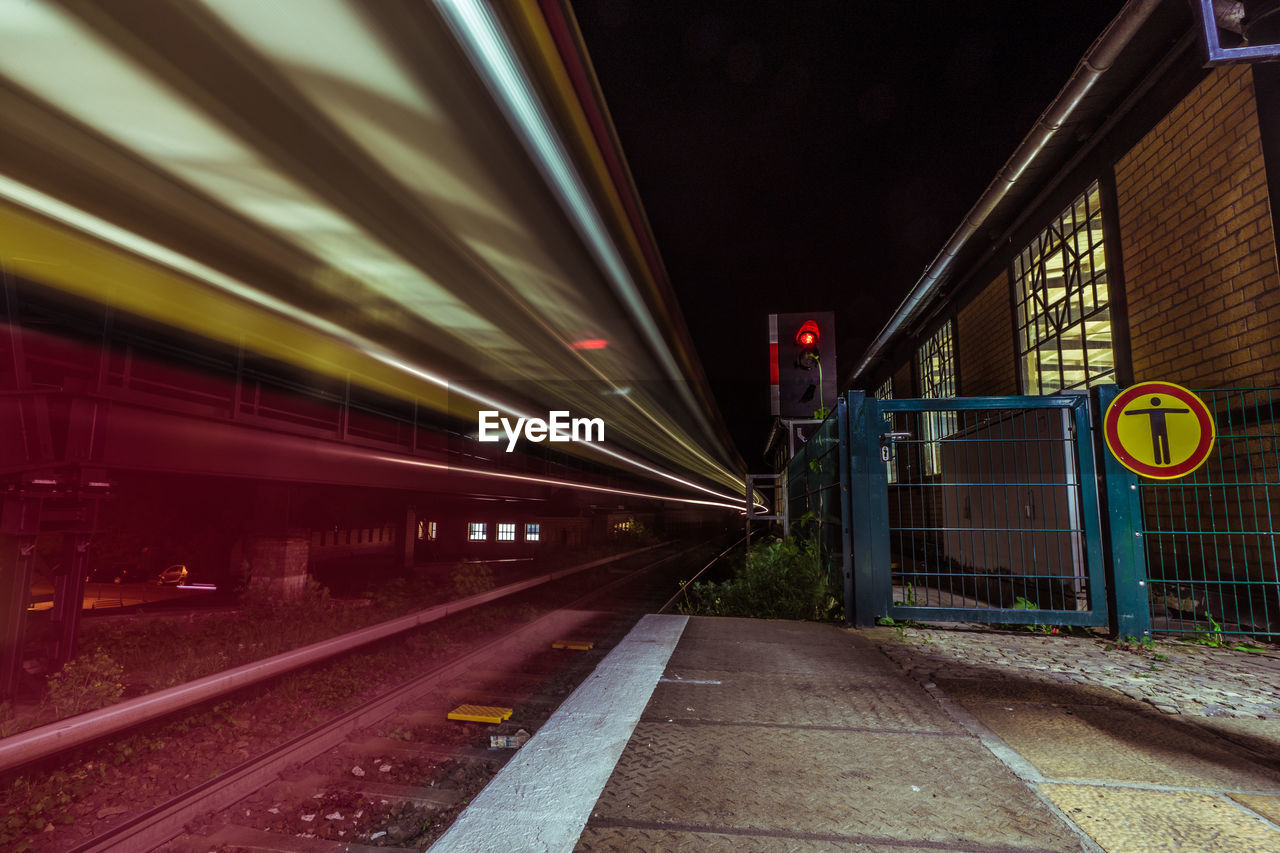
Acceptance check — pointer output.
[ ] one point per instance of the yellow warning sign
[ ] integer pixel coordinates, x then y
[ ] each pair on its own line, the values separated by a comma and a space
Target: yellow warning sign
1159, 430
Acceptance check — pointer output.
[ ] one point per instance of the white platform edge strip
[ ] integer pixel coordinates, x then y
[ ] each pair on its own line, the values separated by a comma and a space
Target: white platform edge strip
542, 799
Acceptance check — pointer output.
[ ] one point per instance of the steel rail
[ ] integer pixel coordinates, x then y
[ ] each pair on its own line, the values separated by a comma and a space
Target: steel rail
161, 823
25, 747
684, 589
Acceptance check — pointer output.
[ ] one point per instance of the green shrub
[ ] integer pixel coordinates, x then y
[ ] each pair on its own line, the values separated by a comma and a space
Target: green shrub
472, 579
87, 683
780, 580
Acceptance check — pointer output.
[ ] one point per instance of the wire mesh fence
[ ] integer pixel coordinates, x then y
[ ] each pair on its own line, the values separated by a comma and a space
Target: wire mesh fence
813, 496
1211, 537
987, 513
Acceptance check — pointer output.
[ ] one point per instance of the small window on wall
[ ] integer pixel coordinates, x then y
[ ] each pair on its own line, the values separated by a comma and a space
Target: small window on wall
477, 531
885, 392
1064, 305
431, 530
506, 532
936, 364
532, 532
422, 530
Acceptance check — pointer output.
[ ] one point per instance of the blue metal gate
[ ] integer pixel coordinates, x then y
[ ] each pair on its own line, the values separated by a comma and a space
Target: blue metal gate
977, 510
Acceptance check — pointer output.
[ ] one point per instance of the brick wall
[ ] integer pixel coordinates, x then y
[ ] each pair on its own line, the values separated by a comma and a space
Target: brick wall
984, 343
1199, 252
902, 384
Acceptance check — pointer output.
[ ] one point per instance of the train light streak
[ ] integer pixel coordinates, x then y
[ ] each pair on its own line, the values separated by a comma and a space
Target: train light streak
477, 29
333, 286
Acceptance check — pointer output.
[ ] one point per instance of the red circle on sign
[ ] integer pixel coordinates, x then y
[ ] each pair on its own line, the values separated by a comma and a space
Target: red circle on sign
1111, 427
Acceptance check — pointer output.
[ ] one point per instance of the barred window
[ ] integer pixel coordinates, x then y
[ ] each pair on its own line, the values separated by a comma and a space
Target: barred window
532, 532
885, 392
1063, 302
506, 532
477, 531
936, 364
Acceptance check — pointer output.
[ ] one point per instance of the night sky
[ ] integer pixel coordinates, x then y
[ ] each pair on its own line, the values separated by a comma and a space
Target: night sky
807, 156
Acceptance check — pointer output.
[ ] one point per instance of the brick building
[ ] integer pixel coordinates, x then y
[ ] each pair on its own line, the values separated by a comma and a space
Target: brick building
1131, 237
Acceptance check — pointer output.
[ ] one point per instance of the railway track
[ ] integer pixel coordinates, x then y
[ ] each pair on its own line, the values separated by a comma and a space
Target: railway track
392, 771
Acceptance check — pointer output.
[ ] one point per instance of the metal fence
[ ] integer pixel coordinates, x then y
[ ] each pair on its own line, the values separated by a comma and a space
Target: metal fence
816, 495
1211, 537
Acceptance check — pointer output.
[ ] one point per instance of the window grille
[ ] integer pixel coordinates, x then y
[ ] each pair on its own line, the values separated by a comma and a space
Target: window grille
532, 532
1063, 302
936, 363
506, 532
477, 531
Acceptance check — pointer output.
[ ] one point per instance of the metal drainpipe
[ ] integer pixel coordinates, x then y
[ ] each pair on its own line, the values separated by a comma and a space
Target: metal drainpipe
1090, 69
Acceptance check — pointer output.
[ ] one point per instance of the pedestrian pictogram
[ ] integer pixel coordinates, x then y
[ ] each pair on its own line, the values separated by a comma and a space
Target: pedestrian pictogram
1159, 430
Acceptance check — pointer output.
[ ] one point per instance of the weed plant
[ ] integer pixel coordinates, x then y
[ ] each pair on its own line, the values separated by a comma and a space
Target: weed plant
779, 580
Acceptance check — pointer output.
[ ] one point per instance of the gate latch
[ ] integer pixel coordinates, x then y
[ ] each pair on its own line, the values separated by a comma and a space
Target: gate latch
886, 443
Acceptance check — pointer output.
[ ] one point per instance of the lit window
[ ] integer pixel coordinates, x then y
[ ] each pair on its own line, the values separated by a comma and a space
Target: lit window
422, 530
477, 531
506, 532
532, 532
885, 392
1064, 306
937, 379
431, 530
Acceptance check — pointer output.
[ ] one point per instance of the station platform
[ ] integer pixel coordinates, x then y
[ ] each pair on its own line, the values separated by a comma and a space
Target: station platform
718, 734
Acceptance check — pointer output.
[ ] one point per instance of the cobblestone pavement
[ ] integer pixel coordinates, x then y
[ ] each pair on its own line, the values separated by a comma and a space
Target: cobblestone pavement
1170, 746
1175, 677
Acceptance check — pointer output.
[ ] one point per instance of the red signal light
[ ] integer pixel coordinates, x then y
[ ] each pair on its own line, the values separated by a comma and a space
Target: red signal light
808, 334
807, 341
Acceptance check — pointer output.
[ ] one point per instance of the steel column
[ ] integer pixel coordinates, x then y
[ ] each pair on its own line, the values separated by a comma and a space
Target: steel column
19, 523
68, 596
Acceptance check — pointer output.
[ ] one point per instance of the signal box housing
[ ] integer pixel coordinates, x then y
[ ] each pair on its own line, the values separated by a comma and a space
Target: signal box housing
796, 391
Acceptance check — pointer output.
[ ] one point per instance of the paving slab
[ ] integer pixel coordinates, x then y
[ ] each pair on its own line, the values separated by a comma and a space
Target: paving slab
769, 735
1117, 744
1125, 820
1166, 747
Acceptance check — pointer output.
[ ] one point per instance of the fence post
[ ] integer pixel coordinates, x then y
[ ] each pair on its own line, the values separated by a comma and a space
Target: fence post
1128, 598
846, 510
862, 537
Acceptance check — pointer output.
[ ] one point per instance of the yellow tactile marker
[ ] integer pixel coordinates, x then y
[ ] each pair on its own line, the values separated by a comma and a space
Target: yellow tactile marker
480, 713
577, 645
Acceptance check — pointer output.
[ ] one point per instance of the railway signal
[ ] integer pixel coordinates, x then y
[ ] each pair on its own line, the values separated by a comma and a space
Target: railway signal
802, 363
